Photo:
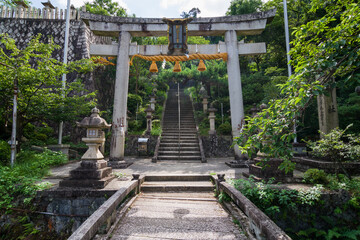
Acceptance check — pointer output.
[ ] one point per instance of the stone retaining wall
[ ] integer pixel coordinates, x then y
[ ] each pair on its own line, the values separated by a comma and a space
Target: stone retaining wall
304, 164
217, 146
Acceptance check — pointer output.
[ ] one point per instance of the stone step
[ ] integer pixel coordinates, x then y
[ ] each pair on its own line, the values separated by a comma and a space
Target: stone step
169, 157
181, 153
192, 141
177, 186
182, 144
177, 136
176, 148
190, 177
182, 131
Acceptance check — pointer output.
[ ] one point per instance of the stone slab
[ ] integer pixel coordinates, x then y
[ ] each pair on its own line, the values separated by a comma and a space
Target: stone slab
176, 219
86, 183
235, 164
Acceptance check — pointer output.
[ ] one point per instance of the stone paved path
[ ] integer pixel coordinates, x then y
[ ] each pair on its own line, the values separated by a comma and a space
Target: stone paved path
177, 216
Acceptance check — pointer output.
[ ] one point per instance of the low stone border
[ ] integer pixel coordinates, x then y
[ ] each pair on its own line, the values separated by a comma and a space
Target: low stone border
89, 228
263, 226
304, 164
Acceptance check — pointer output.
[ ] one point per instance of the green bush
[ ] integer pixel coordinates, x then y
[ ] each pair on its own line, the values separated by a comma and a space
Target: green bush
133, 102
225, 128
315, 176
156, 128
135, 125
5, 152
337, 146
20, 181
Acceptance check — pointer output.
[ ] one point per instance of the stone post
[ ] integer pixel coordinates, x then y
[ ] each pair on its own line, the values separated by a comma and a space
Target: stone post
328, 112
152, 102
235, 90
212, 117
205, 104
120, 102
149, 112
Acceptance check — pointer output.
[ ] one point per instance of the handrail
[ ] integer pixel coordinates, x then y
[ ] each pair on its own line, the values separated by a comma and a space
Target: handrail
179, 120
261, 223
89, 228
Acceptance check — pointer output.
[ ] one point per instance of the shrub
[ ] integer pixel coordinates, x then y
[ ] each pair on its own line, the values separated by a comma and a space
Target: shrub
225, 128
337, 146
20, 181
135, 125
315, 176
156, 128
5, 152
133, 102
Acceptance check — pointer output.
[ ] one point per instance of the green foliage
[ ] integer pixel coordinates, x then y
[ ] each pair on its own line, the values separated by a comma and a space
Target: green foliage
38, 78
225, 128
315, 176
20, 181
156, 128
224, 197
135, 125
337, 146
271, 200
105, 7
349, 112
323, 49
238, 7
5, 152
134, 102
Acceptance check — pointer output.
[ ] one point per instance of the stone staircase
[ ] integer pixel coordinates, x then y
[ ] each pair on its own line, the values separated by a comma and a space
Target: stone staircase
179, 143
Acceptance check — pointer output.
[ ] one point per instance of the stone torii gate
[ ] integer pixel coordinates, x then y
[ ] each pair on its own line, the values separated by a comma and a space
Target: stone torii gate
125, 28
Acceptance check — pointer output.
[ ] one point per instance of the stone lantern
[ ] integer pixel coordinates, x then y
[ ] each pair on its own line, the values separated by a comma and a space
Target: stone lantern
149, 112
93, 171
152, 101
212, 111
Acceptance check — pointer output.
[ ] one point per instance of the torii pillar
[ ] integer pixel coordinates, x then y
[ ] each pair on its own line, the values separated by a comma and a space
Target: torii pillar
120, 102
235, 89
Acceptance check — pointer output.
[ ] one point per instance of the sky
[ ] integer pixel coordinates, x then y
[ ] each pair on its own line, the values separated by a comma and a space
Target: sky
157, 8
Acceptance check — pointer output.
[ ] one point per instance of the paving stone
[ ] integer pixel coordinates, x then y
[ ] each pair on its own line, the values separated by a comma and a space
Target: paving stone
181, 218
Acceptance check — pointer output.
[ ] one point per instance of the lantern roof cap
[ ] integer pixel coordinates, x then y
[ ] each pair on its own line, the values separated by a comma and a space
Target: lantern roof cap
94, 121
149, 109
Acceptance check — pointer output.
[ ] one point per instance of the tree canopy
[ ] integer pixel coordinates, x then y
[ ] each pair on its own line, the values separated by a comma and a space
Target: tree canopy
106, 7
39, 84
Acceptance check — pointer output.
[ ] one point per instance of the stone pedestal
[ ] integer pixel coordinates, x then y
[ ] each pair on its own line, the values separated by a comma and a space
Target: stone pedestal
205, 104
149, 112
212, 117
268, 170
152, 102
90, 174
